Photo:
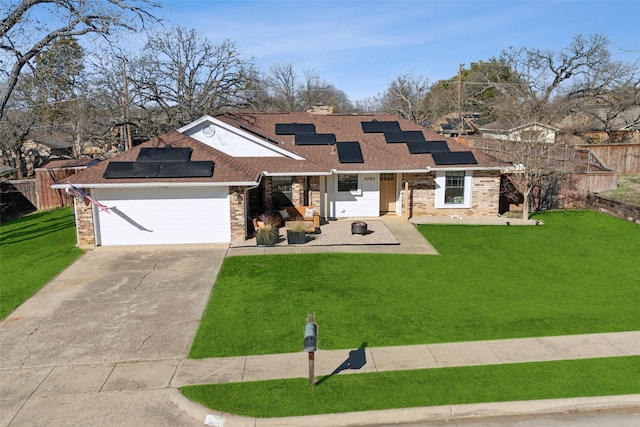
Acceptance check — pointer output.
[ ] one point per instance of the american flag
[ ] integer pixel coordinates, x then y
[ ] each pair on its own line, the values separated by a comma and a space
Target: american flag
80, 193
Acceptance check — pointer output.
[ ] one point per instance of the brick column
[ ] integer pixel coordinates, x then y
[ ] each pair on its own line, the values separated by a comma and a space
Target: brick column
84, 223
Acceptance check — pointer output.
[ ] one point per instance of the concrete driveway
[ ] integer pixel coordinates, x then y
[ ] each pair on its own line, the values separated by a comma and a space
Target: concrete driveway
64, 350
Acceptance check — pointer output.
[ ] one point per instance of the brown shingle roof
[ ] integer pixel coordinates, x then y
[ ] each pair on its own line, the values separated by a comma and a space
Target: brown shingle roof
378, 155
66, 163
226, 169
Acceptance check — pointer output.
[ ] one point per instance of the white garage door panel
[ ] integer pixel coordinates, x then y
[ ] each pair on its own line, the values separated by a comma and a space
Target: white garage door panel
158, 216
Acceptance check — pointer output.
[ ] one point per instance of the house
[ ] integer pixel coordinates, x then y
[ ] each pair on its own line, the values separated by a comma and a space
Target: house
7, 170
455, 124
206, 181
602, 125
523, 131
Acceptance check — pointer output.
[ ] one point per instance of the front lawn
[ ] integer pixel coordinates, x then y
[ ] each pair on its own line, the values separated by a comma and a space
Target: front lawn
578, 273
430, 387
33, 250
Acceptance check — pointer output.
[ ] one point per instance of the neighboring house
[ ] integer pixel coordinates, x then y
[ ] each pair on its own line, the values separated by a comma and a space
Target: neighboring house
453, 125
602, 126
206, 181
526, 132
35, 153
7, 170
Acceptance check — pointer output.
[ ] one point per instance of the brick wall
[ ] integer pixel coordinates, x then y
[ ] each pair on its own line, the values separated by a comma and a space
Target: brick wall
485, 196
84, 221
611, 207
297, 190
237, 214
314, 191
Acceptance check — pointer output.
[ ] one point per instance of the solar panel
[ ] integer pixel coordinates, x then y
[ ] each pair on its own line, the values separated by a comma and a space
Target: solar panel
403, 136
421, 147
379, 127
132, 170
315, 139
453, 158
349, 152
168, 169
164, 154
185, 169
294, 128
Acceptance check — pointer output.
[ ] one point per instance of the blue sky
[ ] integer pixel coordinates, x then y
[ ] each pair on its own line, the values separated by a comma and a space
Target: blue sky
362, 45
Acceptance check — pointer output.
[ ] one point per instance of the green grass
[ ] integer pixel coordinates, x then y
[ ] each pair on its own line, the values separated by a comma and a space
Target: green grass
432, 387
578, 273
33, 250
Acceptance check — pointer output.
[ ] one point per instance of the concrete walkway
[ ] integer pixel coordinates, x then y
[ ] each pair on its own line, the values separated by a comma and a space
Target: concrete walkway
398, 237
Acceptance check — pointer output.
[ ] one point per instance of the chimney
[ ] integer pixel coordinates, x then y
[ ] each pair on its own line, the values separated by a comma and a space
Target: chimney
320, 109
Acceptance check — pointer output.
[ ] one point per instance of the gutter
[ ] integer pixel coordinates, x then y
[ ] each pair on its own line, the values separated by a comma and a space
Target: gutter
267, 173
427, 170
157, 184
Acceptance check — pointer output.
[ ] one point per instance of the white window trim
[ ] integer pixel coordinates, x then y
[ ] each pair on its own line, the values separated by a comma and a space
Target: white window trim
441, 180
356, 192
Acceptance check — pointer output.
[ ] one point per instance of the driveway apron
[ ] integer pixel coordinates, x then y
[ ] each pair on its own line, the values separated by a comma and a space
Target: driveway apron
112, 307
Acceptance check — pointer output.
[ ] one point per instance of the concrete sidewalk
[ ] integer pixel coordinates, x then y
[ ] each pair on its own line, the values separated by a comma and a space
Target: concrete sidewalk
149, 387
430, 356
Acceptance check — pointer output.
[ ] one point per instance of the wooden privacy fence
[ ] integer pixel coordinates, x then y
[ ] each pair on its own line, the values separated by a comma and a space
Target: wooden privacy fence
17, 198
622, 158
48, 197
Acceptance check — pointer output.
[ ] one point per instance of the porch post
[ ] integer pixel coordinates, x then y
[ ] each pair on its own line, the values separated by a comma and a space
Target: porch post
326, 200
405, 201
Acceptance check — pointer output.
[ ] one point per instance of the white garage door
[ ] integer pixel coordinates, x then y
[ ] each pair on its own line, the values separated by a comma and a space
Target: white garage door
159, 216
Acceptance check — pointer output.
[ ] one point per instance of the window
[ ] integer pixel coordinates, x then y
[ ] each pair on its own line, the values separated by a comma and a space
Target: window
281, 191
453, 189
347, 182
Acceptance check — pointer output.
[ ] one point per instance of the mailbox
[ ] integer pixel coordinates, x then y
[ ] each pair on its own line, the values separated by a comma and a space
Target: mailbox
310, 337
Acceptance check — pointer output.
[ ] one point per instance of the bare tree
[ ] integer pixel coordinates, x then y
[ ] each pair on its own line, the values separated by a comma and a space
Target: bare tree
284, 90
15, 126
315, 91
283, 85
545, 75
371, 104
406, 96
182, 75
606, 97
29, 26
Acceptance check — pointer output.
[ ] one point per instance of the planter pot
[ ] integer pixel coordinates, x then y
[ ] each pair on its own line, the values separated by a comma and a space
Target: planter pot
296, 237
266, 239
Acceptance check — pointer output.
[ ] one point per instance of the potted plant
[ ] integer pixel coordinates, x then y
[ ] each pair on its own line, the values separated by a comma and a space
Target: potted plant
296, 232
267, 235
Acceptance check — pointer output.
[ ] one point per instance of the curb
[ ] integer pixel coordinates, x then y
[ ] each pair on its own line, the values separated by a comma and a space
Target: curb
418, 415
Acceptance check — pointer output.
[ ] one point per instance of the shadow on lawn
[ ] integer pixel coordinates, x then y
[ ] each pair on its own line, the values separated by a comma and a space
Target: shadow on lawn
356, 360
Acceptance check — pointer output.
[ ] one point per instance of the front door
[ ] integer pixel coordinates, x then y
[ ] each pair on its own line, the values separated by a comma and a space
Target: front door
387, 192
